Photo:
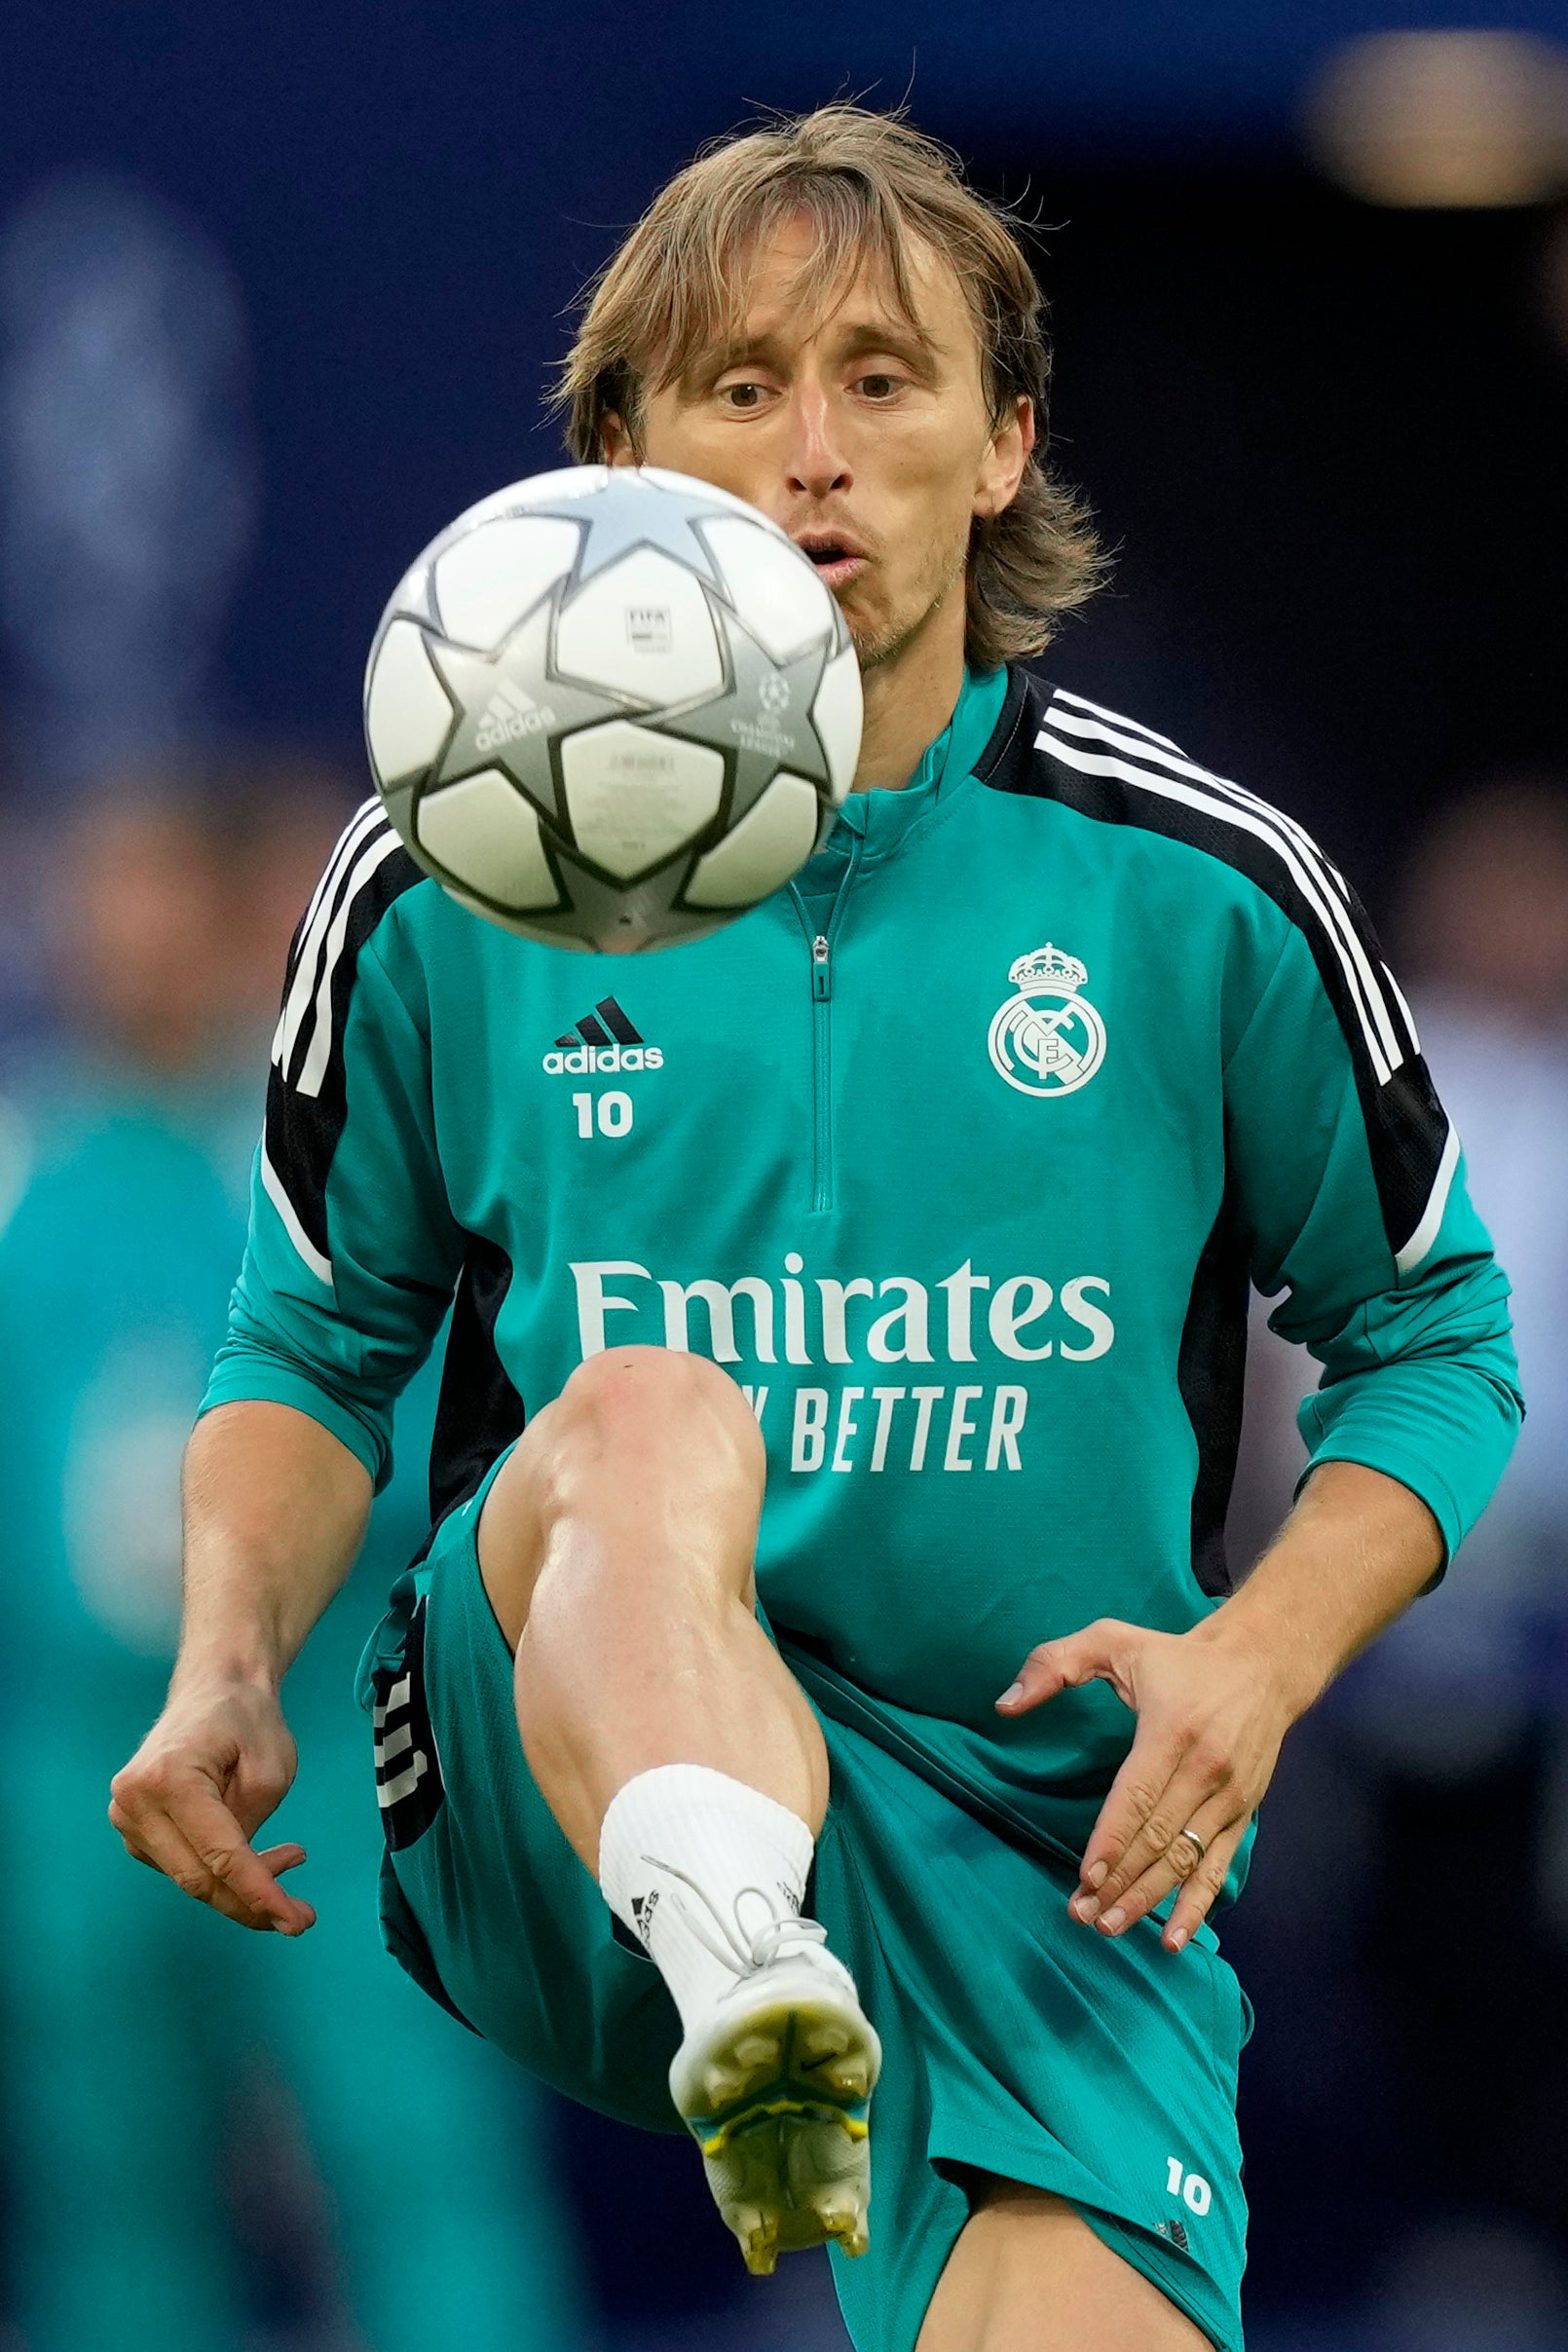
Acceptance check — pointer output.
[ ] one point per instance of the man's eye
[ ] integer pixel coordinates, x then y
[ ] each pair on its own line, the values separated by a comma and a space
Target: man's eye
741, 395
877, 387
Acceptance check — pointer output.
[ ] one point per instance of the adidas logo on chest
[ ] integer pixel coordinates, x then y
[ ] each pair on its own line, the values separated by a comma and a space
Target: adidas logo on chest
604, 1039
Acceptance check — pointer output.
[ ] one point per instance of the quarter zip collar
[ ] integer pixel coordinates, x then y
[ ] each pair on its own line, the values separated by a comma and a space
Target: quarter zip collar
871, 826
884, 819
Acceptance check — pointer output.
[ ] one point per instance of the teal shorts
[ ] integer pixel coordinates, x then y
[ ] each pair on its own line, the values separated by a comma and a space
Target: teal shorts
1016, 2043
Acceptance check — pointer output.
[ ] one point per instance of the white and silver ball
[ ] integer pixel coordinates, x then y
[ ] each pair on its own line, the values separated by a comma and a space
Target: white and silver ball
612, 708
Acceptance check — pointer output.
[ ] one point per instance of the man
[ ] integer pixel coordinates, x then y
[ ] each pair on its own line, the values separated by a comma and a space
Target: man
959, 1151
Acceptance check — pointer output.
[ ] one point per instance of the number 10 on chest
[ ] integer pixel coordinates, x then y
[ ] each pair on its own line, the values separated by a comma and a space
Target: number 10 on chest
610, 1115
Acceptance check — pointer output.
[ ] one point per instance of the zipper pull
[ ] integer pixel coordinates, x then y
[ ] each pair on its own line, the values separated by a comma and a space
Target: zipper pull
821, 979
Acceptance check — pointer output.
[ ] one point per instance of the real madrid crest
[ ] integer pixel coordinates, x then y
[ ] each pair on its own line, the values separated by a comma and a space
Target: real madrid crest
1047, 1039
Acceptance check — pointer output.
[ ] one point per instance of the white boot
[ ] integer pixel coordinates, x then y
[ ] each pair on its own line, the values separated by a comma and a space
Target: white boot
774, 2081
778, 2061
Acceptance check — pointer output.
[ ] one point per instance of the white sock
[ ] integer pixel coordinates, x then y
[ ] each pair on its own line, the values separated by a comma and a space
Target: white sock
681, 1843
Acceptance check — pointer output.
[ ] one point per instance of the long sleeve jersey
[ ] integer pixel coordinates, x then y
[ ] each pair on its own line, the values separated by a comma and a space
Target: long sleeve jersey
960, 1154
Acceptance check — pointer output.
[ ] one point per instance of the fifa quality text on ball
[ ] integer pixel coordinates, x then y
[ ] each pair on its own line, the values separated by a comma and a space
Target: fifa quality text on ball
612, 708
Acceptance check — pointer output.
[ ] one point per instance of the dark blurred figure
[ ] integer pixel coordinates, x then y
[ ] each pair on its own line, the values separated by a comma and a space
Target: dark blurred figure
1407, 1930
202, 2127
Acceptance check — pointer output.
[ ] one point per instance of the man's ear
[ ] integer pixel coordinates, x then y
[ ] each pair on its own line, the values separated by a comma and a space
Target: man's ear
616, 441
1007, 452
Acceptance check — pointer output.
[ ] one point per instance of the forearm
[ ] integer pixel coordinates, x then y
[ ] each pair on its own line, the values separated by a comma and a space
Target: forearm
1354, 1553
275, 1512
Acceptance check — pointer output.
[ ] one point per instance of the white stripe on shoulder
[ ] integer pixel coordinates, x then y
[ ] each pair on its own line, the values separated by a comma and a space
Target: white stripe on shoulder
1426, 1233
276, 1191
1336, 913
1117, 717
1382, 1046
1176, 761
375, 853
303, 987
366, 808
1404, 1003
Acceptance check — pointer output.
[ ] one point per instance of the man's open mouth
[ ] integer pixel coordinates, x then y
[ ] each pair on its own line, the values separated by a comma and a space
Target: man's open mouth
837, 559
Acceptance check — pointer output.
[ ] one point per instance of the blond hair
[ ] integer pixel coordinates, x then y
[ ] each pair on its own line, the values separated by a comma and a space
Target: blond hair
869, 183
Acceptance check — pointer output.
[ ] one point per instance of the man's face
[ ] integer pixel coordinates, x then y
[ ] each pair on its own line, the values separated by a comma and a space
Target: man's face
866, 437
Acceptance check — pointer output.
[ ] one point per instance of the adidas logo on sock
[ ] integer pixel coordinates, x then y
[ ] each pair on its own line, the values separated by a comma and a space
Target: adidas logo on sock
603, 1040
642, 1911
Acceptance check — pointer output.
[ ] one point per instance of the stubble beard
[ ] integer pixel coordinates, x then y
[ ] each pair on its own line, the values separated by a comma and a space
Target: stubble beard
880, 648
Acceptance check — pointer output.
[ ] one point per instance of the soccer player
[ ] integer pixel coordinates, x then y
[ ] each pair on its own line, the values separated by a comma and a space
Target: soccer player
841, 1401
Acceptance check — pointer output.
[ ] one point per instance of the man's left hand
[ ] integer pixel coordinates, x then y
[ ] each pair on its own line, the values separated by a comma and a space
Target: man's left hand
1211, 1718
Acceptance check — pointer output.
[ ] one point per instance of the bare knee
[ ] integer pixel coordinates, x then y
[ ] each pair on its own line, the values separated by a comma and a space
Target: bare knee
643, 1402
649, 1379
633, 1428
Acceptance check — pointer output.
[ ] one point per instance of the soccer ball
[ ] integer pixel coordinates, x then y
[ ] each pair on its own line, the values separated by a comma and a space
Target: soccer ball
612, 708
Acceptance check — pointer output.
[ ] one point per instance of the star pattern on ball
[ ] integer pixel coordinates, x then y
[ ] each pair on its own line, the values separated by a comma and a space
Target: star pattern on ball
415, 595
622, 516
611, 912
785, 738
493, 711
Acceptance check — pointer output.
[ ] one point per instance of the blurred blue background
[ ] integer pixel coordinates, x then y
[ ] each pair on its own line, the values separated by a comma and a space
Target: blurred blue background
279, 294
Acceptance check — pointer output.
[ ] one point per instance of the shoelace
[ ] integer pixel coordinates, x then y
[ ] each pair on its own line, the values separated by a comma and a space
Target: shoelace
732, 1944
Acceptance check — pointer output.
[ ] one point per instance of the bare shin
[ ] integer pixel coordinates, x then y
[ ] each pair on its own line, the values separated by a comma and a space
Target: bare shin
617, 1545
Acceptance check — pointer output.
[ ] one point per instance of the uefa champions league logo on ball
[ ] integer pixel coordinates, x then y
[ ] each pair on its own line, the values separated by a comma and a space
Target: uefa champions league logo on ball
1047, 1039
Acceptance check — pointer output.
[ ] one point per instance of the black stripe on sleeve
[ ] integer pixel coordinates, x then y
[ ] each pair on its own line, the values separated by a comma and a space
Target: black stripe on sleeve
1212, 1374
480, 1410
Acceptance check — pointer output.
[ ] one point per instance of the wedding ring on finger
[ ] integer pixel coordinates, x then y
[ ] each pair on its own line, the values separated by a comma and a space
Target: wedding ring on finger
1185, 1851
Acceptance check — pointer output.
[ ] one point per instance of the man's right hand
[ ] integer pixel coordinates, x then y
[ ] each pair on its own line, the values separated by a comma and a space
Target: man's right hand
215, 1765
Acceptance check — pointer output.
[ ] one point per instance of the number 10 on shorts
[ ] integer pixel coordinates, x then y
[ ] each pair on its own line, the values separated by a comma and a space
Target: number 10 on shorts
1191, 2187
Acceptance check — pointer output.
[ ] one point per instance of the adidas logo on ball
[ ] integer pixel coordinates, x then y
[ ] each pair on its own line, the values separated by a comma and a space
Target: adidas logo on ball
510, 715
603, 1040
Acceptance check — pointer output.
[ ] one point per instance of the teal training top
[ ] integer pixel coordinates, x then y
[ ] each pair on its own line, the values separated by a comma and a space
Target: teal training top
960, 1154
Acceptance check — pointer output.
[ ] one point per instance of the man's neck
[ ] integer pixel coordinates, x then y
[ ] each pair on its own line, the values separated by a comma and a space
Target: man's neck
910, 698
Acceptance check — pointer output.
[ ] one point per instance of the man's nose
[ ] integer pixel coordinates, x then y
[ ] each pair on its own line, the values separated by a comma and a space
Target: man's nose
818, 463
